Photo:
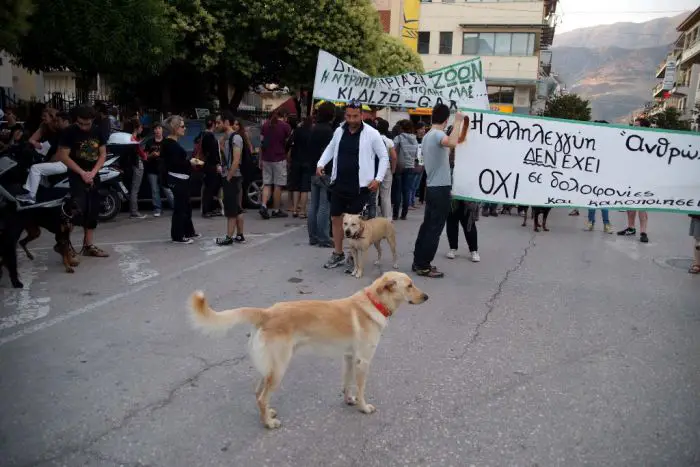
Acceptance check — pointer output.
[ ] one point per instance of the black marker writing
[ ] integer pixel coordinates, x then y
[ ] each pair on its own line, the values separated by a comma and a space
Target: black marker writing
661, 148
561, 143
490, 186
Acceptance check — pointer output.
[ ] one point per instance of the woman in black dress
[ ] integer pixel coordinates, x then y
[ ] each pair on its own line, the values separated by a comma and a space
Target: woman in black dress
179, 169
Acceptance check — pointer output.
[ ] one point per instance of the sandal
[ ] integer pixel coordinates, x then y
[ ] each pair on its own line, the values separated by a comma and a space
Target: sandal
92, 250
694, 269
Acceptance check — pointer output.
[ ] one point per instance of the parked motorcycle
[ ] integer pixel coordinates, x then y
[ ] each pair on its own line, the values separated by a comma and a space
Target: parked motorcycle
112, 190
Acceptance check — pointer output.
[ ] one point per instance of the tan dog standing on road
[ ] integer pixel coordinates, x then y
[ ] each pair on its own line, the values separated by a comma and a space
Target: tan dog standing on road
363, 233
350, 327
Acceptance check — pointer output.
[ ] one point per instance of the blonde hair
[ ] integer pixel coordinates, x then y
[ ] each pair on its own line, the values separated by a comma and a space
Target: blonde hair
173, 123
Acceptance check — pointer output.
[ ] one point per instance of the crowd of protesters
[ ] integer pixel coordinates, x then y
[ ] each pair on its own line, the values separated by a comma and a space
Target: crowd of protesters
330, 164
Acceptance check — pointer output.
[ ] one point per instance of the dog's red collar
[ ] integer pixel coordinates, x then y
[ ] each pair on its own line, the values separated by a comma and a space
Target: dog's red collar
378, 305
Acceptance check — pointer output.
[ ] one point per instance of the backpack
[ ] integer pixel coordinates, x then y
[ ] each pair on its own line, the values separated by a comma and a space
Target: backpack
246, 164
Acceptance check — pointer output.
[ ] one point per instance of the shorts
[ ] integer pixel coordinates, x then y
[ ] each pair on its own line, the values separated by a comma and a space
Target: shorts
231, 190
86, 199
299, 178
274, 173
348, 204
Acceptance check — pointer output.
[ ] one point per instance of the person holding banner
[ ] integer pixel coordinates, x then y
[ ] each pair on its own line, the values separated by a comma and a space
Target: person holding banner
630, 231
438, 199
353, 150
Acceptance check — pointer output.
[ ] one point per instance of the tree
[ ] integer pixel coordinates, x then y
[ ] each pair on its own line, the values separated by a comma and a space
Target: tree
670, 119
125, 38
200, 40
13, 17
277, 41
568, 107
394, 58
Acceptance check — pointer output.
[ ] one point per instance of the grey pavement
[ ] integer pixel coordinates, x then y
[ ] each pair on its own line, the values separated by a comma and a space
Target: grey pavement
562, 348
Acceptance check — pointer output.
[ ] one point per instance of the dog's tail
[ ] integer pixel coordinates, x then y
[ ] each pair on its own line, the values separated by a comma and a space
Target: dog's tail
210, 321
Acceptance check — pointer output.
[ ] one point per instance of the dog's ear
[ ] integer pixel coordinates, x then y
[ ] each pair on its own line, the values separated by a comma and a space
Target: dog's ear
389, 285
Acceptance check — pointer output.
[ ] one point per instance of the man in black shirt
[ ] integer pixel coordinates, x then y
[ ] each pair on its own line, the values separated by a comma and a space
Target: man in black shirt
102, 120
212, 167
354, 149
82, 149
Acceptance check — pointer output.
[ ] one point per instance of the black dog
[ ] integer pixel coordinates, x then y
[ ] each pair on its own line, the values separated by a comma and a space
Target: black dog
56, 219
536, 212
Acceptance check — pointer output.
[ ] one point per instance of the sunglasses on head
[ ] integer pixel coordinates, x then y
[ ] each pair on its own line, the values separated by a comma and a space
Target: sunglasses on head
353, 104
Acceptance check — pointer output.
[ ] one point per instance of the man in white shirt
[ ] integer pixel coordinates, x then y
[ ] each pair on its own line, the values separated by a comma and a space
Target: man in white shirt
353, 150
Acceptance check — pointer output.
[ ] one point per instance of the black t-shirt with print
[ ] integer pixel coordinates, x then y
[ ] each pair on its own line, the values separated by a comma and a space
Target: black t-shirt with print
84, 145
152, 164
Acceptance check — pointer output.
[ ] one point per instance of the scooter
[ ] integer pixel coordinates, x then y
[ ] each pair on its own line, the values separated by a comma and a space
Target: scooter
112, 190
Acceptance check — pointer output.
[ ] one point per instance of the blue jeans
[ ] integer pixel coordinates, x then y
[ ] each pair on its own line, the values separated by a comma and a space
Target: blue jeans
415, 183
153, 180
401, 192
319, 215
603, 212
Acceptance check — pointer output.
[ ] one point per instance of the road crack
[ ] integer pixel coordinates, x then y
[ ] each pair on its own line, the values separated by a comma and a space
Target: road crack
491, 302
133, 413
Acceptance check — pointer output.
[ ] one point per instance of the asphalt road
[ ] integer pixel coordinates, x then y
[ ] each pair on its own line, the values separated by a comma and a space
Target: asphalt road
563, 348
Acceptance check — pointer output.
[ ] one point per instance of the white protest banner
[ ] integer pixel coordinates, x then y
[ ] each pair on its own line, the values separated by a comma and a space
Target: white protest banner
540, 161
459, 85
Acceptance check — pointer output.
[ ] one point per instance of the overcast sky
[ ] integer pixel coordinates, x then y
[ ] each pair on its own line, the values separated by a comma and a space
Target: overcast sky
574, 14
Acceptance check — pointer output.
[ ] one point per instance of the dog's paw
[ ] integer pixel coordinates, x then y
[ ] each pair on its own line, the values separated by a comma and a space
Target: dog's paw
273, 424
545, 229
351, 400
70, 270
74, 262
17, 284
368, 409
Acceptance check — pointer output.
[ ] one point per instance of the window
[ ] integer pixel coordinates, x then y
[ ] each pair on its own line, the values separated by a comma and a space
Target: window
445, 43
498, 43
424, 42
502, 44
501, 94
470, 43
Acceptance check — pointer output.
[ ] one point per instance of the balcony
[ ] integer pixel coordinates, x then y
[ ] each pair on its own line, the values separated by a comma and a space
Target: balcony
661, 70
691, 55
679, 90
546, 61
657, 91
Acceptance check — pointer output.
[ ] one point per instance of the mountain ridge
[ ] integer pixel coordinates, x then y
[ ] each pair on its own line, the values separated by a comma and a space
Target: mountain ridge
614, 65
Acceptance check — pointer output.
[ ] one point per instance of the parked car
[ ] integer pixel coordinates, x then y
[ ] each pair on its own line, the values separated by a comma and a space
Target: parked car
252, 183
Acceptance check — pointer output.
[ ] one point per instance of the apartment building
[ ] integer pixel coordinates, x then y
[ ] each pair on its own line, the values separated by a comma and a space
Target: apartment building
680, 72
512, 37
509, 35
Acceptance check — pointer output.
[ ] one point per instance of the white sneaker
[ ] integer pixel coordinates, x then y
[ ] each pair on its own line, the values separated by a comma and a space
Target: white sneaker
452, 254
475, 257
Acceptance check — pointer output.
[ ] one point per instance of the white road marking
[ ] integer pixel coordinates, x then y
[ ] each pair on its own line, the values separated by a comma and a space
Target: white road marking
134, 290
134, 265
27, 308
